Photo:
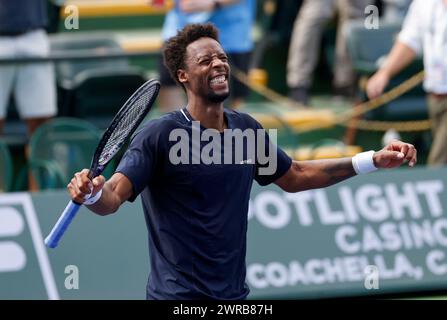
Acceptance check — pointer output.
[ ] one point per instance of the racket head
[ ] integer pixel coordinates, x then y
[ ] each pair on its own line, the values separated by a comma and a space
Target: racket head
123, 125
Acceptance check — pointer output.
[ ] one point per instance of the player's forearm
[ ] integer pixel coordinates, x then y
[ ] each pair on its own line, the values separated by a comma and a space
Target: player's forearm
108, 203
400, 56
116, 190
113, 192
316, 174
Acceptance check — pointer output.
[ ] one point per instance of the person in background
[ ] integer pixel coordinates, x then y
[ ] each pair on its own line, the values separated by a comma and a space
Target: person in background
234, 20
305, 42
395, 10
54, 12
424, 32
22, 34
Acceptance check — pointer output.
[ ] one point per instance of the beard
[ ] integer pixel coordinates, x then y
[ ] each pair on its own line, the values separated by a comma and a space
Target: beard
217, 97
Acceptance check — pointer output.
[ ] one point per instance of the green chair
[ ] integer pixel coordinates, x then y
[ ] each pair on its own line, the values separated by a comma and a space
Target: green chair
91, 44
93, 89
61, 147
6, 168
98, 94
367, 48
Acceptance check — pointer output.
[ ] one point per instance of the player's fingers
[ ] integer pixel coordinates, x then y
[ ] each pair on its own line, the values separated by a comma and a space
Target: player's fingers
71, 187
83, 183
75, 194
98, 183
84, 174
398, 155
394, 155
404, 149
396, 145
388, 159
412, 156
408, 150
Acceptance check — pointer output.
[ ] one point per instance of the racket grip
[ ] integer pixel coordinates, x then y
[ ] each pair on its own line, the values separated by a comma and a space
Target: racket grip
62, 224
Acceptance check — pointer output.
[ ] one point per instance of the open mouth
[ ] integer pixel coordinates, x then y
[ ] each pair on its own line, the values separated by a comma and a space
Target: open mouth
218, 81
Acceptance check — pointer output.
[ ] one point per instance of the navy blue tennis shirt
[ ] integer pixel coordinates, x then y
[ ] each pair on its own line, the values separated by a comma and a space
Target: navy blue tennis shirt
196, 213
20, 16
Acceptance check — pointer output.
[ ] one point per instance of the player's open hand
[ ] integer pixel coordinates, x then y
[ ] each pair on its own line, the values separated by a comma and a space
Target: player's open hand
395, 154
81, 187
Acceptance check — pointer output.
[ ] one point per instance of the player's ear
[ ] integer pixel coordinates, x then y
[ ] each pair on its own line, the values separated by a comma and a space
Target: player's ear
182, 76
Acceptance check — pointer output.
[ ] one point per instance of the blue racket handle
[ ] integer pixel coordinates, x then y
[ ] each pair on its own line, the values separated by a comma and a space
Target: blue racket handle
62, 224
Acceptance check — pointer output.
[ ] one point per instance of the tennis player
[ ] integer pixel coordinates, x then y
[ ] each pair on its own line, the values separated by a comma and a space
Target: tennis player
196, 212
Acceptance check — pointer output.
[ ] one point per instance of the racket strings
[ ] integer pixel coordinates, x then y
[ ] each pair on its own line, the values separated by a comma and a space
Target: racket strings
130, 119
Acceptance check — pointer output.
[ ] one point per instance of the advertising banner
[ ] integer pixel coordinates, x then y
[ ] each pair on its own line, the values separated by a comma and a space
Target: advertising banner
379, 233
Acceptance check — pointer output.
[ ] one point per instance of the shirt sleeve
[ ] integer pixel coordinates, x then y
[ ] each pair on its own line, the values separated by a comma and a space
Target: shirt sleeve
271, 161
412, 30
139, 162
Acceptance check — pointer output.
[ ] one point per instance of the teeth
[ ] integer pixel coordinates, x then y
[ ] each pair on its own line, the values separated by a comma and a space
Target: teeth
218, 79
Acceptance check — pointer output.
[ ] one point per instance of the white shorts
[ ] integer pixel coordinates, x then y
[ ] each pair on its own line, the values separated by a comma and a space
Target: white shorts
33, 85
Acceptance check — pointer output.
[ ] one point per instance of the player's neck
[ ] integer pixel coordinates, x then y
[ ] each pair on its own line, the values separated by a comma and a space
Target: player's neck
209, 115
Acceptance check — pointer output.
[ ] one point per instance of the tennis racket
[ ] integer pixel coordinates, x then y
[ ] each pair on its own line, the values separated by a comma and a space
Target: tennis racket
122, 127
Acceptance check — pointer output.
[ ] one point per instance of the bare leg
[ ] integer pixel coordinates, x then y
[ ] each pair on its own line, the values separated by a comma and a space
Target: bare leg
32, 125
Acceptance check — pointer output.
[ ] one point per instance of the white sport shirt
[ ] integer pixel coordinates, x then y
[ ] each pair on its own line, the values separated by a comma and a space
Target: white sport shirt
425, 31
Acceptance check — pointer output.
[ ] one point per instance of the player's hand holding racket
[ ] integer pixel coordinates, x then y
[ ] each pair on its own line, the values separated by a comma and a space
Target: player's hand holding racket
82, 188
90, 182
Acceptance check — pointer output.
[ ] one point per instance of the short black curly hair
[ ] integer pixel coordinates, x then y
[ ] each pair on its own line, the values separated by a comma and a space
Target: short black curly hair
174, 52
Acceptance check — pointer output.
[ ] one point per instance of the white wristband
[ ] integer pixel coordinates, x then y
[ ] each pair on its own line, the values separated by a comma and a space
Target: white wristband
363, 162
94, 199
